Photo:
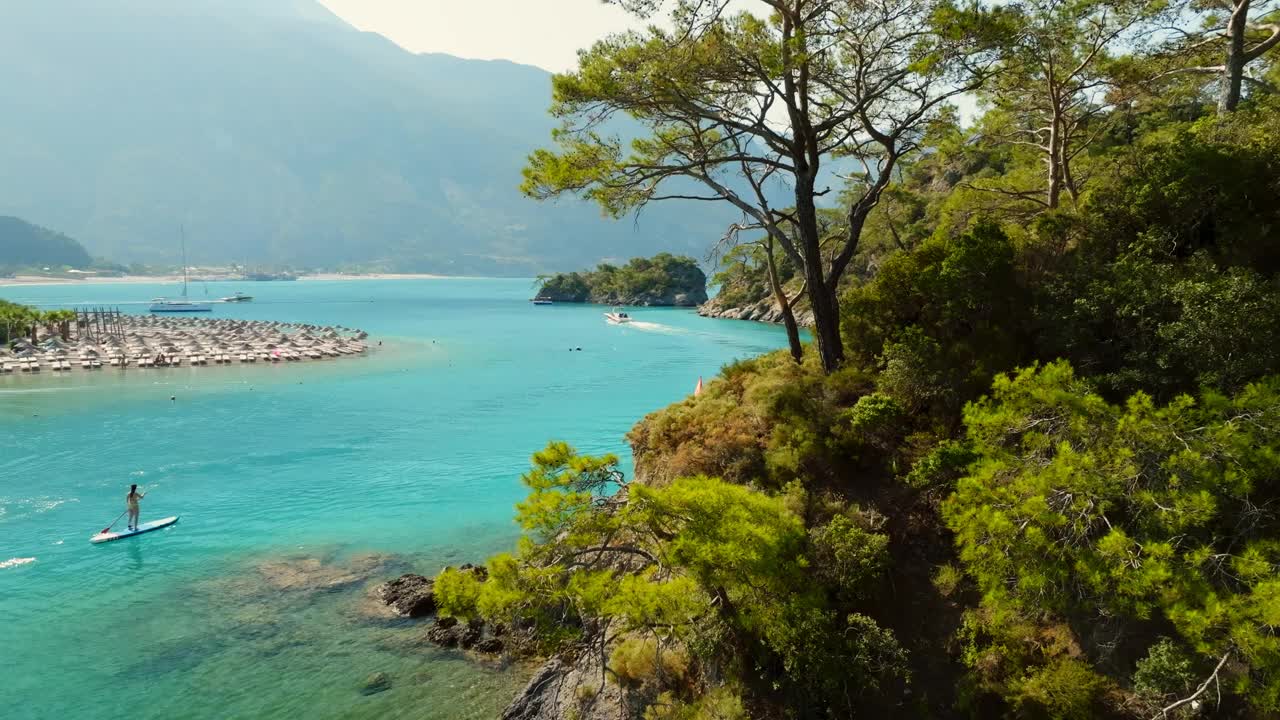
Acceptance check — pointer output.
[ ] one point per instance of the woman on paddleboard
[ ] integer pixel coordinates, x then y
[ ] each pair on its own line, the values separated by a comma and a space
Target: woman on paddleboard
131, 503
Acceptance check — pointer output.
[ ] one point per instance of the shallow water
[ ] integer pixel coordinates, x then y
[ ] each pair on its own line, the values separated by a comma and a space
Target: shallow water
300, 486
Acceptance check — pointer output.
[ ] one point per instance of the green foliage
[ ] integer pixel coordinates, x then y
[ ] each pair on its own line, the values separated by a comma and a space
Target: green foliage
948, 579
1177, 326
23, 322
457, 594
758, 424
17, 321
1087, 515
742, 275
565, 287
640, 661
843, 665
1138, 512
716, 704
563, 484
875, 420
694, 568
1165, 674
848, 558
941, 320
1064, 690
662, 279
942, 467
1173, 250
1161, 280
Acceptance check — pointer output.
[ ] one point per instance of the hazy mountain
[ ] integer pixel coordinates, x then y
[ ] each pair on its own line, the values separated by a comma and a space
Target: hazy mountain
276, 133
25, 245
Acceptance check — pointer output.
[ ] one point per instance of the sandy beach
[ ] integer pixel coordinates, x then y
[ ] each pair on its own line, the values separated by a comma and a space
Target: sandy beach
22, 280
124, 280
373, 276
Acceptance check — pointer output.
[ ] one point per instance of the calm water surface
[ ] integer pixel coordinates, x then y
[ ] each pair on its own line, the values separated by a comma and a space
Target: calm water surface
299, 487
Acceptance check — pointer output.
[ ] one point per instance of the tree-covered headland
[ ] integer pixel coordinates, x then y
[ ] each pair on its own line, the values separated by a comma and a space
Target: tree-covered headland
25, 246
1030, 466
663, 279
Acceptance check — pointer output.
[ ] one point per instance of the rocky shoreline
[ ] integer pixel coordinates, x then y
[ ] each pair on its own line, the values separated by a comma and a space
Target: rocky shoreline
562, 687
765, 310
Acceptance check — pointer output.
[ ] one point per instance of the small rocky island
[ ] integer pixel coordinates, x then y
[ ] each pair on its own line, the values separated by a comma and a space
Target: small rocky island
662, 280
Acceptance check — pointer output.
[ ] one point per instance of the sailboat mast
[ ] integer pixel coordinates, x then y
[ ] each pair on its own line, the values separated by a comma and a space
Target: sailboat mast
182, 230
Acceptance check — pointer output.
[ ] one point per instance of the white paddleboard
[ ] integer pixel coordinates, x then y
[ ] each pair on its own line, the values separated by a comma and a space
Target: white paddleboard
145, 527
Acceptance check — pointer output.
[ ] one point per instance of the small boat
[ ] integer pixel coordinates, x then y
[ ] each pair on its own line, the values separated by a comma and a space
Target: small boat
542, 301
617, 317
238, 297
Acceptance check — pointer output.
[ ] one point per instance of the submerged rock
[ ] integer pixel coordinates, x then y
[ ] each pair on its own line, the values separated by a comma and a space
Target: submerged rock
445, 633
449, 633
409, 595
305, 573
376, 683
471, 634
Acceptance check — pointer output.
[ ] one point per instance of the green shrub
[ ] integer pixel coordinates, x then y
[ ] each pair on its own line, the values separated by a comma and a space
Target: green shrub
914, 369
875, 421
942, 466
1065, 690
947, 579
847, 558
1137, 513
457, 593
716, 704
1166, 672
641, 661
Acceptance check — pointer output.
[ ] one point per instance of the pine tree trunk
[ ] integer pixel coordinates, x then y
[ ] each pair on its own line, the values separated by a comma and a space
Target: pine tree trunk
780, 295
1055, 163
826, 322
1233, 68
793, 331
826, 318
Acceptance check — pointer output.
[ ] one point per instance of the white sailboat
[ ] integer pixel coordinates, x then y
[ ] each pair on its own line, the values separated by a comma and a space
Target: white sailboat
167, 305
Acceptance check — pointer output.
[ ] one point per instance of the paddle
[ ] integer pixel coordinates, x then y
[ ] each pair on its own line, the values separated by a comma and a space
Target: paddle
113, 522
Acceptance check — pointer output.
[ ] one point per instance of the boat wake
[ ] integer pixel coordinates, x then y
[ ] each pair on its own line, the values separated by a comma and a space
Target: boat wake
15, 562
36, 391
656, 327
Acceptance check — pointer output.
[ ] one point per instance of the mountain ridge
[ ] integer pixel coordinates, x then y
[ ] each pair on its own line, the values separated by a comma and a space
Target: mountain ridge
278, 134
23, 244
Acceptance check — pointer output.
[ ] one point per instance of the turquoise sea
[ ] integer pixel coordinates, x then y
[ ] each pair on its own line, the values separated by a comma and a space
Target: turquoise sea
300, 486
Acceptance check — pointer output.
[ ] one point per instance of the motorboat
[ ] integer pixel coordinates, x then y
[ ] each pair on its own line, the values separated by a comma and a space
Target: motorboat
238, 297
617, 317
541, 301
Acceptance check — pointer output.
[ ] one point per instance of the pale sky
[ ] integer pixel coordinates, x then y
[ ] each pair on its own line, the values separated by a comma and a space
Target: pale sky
545, 33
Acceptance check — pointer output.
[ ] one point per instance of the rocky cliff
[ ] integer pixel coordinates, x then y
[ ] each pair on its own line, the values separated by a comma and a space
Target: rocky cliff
574, 688
766, 309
